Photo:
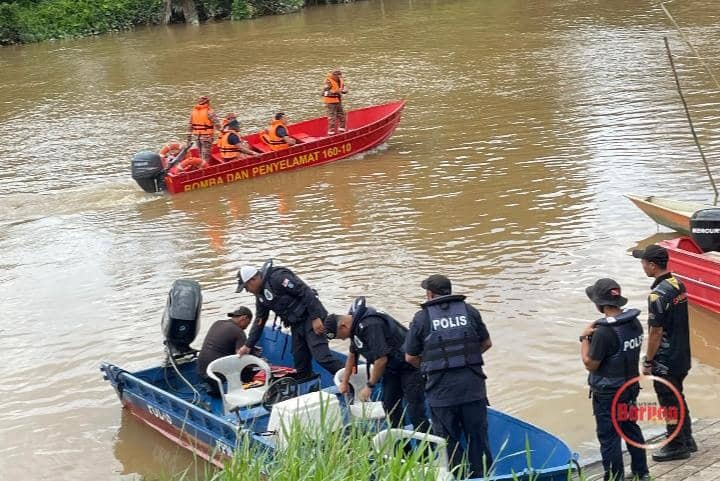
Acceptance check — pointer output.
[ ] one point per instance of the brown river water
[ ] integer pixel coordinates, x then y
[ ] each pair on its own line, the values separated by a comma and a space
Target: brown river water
525, 125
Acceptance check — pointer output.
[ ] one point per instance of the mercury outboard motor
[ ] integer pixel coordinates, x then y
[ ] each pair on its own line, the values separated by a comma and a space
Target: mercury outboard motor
147, 170
705, 229
181, 319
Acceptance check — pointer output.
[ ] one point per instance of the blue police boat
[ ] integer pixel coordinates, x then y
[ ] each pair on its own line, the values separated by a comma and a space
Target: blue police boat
259, 396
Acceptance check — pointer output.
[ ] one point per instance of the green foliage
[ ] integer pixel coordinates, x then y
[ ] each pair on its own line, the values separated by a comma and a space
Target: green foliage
34, 21
9, 30
242, 9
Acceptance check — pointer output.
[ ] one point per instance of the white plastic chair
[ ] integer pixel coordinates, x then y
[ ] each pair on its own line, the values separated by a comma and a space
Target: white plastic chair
231, 367
359, 409
382, 443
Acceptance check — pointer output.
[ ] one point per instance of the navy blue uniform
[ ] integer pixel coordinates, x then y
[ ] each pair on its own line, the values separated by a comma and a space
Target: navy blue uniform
374, 337
297, 305
667, 305
447, 334
617, 346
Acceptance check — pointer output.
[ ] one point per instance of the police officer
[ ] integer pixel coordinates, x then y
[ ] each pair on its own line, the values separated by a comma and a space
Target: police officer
277, 289
610, 350
668, 347
379, 338
446, 340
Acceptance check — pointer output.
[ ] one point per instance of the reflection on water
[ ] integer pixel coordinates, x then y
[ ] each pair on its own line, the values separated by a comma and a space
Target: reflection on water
525, 125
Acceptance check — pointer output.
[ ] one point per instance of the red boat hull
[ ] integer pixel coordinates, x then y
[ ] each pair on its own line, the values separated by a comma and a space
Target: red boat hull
700, 272
367, 128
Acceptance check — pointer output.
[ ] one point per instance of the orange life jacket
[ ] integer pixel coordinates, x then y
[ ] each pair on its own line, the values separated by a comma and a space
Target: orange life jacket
200, 120
271, 137
228, 151
333, 96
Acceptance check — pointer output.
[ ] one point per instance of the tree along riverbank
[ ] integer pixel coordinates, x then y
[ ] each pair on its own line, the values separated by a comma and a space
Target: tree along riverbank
25, 21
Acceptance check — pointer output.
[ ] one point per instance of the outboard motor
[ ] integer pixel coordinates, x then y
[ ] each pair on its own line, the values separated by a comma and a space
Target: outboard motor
705, 229
147, 171
181, 319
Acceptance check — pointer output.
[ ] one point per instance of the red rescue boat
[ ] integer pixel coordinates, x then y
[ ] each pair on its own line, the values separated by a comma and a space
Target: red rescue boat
366, 128
700, 271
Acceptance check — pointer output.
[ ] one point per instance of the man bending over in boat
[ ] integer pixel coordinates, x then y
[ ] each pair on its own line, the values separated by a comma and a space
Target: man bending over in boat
231, 145
225, 337
379, 338
277, 136
279, 290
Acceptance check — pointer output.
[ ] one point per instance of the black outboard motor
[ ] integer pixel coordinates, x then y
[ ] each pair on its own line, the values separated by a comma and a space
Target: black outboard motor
705, 229
181, 319
147, 171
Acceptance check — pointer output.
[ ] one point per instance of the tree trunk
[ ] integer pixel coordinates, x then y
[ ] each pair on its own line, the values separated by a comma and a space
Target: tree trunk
167, 14
190, 12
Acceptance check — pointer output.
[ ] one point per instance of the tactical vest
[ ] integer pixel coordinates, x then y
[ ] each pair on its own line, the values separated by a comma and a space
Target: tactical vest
452, 342
398, 332
616, 369
290, 309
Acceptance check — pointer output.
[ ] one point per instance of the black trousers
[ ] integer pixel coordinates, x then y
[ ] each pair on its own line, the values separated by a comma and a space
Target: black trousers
307, 345
407, 385
667, 399
469, 419
610, 441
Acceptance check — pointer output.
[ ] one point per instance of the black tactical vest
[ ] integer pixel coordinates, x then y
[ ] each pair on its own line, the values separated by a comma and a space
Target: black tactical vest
621, 366
290, 309
397, 333
452, 342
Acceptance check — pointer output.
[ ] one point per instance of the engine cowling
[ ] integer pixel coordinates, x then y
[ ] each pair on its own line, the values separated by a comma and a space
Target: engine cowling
705, 229
147, 168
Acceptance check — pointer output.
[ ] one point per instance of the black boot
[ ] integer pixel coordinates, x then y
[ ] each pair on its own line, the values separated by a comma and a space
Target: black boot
671, 451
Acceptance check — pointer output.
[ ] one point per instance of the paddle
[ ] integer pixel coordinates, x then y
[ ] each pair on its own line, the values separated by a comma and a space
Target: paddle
179, 157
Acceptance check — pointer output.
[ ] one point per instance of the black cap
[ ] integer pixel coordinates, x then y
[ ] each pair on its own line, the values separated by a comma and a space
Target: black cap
331, 325
437, 284
606, 292
240, 311
652, 253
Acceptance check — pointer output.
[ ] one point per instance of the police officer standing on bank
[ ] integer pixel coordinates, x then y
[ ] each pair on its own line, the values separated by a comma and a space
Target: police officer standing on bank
610, 350
279, 290
668, 346
446, 340
379, 338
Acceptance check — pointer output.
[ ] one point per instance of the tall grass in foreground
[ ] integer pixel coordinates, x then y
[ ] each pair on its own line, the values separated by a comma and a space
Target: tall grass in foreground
339, 455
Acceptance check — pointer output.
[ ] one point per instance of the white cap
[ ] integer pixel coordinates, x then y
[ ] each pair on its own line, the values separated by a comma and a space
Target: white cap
245, 274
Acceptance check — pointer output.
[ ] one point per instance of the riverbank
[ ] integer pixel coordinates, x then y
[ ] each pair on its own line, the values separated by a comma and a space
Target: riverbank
701, 465
27, 21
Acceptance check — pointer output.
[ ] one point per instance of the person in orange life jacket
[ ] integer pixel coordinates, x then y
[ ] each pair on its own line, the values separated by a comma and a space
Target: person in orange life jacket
332, 92
230, 143
446, 341
379, 338
610, 351
201, 127
279, 290
225, 337
668, 346
277, 135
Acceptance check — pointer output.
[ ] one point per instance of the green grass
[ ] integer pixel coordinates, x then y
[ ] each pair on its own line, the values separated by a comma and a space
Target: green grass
347, 454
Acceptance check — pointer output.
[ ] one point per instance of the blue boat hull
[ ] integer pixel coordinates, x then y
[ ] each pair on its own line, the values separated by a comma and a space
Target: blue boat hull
159, 398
